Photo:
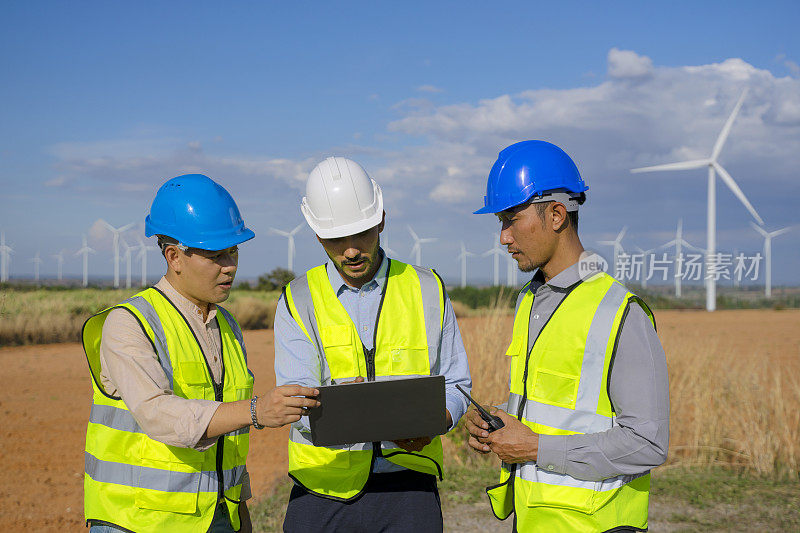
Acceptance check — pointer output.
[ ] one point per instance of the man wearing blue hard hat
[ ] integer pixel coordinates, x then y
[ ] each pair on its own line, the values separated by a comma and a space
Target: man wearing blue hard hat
168, 433
588, 408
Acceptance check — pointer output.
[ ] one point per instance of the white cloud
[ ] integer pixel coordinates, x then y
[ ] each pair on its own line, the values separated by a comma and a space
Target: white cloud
429, 89
628, 64
58, 181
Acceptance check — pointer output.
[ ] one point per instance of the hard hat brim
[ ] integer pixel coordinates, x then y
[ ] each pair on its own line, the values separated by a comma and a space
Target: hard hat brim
212, 244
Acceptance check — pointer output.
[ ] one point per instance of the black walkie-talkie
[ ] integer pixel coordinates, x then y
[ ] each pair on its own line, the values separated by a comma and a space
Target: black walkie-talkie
495, 422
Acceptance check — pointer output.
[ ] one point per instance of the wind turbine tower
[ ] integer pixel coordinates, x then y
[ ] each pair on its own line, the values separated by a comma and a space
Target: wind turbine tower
679, 243
59, 257
127, 256
85, 251
617, 244
713, 168
463, 258
142, 254
117, 232
385, 245
768, 235
498, 252
289, 235
416, 250
5, 257
37, 260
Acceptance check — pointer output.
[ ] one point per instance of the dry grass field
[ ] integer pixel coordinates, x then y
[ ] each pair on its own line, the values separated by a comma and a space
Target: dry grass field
734, 380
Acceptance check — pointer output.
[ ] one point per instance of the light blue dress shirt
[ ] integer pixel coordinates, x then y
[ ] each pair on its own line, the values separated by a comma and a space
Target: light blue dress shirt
297, 360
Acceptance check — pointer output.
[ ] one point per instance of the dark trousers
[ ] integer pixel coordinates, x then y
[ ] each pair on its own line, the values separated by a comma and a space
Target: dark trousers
395, 502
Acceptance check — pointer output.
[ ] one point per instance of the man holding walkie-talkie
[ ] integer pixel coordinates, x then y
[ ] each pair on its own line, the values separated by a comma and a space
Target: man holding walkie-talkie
588, 408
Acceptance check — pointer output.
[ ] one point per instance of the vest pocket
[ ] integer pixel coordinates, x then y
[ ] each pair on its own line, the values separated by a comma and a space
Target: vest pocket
555, 388
321, 456
338, 343
409, 361
196, 381
168, 478
552, 494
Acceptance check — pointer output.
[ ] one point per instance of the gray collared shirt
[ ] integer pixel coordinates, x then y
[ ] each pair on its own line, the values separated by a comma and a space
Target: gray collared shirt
297, 360
638, 389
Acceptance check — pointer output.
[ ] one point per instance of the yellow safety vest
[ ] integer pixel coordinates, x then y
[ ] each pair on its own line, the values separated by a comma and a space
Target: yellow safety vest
144, 485
407, 342
560, 387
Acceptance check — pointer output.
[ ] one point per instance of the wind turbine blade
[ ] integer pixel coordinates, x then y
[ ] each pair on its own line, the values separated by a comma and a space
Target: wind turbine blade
726, 129
607, 243
428, 239
780, 231
621, 234
111, 228
759, 229
413, 235
683, 165
737, 191
297, 228
126, 227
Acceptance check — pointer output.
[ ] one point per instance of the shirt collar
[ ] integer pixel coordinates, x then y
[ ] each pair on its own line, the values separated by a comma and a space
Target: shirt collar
184, 304
339, 285
563, 280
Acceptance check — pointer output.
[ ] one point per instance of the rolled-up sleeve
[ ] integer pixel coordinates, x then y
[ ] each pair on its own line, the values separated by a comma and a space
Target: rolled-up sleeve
639, 392
131, 370
453, 365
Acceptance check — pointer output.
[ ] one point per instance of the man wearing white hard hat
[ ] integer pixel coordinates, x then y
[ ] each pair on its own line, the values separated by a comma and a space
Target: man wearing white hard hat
363, 316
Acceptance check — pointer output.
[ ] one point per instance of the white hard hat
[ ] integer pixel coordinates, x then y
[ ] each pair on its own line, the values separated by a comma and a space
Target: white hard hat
341, 199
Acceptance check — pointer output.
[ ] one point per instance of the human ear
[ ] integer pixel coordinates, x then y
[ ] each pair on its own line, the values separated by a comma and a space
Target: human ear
558, 216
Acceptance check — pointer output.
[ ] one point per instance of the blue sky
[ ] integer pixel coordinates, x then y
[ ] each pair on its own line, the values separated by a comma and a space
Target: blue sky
103, 101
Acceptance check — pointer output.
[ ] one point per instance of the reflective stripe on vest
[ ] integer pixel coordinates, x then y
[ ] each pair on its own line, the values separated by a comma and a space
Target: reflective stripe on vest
559, 387
144, 485
407, 344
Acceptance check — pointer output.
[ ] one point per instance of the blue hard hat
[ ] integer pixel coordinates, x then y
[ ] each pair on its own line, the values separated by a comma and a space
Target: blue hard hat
197, 212
526, 169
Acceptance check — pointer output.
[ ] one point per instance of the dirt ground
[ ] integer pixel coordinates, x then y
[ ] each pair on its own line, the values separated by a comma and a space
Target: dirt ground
45, 403
46, 398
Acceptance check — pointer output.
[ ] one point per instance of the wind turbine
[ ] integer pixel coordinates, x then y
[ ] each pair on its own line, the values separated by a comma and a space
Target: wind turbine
713, 168
142, 254
385, 246
617, 244
59, 257
498, 252
37, 260
116, 232
127, 256
85, 251
679, 242
511, 270
768, 235
290, 235
5, 257
463, 257
417, 248
645, 254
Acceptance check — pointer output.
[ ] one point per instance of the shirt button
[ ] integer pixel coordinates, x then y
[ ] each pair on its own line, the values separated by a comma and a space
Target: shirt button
536, 317
550, 467
364, 328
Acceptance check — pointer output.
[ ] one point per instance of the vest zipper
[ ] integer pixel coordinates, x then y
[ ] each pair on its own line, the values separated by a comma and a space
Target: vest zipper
369, 355
218, 388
